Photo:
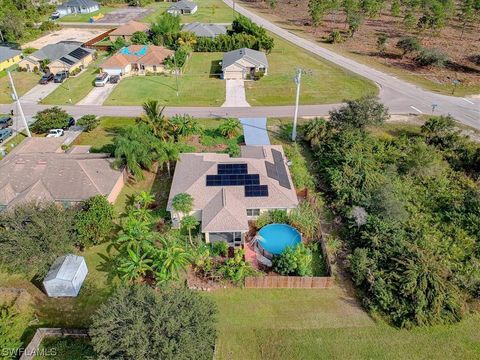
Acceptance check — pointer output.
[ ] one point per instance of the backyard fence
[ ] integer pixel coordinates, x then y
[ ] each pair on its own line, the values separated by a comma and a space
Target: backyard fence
289, 282
31, 351
91, 43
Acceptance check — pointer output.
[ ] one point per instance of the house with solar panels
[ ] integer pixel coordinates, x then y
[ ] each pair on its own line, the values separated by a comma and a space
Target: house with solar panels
229, 192
62, 56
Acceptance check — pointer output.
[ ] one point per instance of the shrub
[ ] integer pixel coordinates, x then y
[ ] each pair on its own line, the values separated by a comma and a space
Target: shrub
335, 37
272, 217
233, 149
306, 218
139, 38
52, 118
429, 57
94, 221
301, 175
75, 72
409, 45
88, 122
138, 323
294, 261
236, 269
49, 26
219, 248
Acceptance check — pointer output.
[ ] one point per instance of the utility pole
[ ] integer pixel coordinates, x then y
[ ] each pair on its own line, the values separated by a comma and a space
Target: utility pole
176, 69
22, 115
298, 80
233, 9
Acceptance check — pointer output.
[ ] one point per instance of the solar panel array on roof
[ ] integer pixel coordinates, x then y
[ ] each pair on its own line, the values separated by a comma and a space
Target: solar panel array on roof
231, 169
277, 170
79, 53
67, 61
256, 190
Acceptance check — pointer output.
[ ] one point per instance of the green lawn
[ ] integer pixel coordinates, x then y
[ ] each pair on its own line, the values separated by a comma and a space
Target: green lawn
86, 17
209, 11
75, 88
326, 324
322, 83
24, 81
198, 85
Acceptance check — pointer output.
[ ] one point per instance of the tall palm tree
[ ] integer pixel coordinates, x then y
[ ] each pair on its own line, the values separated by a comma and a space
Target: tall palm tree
182, 203
155, 120
172, 154
229, 127
189, 223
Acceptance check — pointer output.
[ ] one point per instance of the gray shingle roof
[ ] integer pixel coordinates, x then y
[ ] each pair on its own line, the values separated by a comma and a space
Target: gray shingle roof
79, 3
183, 5
56, 51
255, 57
205, 30
8, 53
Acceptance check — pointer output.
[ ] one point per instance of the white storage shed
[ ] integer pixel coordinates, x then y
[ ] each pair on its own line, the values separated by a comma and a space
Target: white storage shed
66, 276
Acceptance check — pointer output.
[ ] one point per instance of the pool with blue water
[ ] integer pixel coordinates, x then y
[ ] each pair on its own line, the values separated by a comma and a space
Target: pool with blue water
274, 238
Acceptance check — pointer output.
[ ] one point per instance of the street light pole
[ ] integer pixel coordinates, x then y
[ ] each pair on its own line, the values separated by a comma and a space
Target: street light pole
22, 115
176, 70
298, 80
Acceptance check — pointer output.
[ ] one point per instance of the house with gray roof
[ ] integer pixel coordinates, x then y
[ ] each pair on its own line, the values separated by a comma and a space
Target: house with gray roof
66, 276
244, 64
77, 7
183, 7
205, 30
9, 57
38, 170
64, 55
229, 192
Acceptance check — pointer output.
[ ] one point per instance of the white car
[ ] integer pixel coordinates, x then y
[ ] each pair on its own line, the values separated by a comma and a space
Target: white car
55, 133
102, 79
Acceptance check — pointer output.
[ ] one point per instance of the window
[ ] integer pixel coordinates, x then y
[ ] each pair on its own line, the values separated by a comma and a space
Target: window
253, 212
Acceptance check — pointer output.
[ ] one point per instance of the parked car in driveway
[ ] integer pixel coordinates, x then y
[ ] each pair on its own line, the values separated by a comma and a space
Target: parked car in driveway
5, 134
55, 133
60, 76
5, 122
102, 79
46, 79
71, 122
114, 79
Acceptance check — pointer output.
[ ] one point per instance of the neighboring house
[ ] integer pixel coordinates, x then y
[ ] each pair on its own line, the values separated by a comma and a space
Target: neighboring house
205, 30
183, 7
66, 276
39, 170
138, 59
77, 7
9, 57
126, 31
244, 63
65, 55
228, 192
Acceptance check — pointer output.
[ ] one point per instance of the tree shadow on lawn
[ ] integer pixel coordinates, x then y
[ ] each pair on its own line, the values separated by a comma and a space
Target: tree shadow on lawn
215, 69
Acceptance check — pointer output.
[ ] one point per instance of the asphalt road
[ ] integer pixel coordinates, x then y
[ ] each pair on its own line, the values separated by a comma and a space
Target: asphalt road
398, 95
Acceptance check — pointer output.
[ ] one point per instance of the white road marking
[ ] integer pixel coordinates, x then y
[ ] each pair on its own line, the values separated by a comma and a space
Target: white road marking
470, 102
414, 108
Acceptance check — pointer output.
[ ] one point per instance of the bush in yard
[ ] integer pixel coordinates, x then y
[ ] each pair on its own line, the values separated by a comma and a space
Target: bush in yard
229, 128
409, 45
431, 57
270, 217
306, 218
138, 323
13, 322
335, 37
94, 221
33, 236
233, 149
88, 122
139, 38
294, 261
219, 248
236, 269
52, 118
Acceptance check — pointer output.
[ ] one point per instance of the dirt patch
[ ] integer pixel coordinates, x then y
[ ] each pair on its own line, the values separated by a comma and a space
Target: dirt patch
459, 48
122, 16
67, 34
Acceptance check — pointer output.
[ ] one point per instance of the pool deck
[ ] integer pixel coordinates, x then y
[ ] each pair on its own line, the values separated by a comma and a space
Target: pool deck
251, 256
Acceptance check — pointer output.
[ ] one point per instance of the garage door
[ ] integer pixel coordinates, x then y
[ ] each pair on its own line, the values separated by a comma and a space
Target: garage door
233, 75
113, 71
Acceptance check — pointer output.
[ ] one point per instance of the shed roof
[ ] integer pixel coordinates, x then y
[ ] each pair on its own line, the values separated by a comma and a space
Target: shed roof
205, 30
257, 58
7, 53
65, 268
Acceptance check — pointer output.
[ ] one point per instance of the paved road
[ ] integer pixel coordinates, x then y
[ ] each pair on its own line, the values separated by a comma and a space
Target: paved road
398, 95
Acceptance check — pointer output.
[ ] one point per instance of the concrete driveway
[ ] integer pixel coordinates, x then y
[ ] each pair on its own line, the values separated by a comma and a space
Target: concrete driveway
255, 131
38, 92
97, 95
235, 94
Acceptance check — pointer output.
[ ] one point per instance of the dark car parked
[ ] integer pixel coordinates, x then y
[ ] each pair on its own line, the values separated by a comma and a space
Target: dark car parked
5, 122
46, 79
5, 134
60, 76
71, 122
114, 79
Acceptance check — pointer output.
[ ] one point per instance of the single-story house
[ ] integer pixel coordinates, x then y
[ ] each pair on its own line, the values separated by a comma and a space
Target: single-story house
137, 58
38, 170
77, 7
205, 30
64, 55
9, 57
66, 276
126, 31
183, 7
243, 63
228, 192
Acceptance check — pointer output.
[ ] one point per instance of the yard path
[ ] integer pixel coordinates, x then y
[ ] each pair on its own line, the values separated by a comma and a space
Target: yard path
400, 96
235, 94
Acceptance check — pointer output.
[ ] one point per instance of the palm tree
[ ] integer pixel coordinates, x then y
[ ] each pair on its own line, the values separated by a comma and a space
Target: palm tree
186, 39
185, 126
134, 266
172, 154
182, 203
136, 233
144, 199
229, 127
169, 261
155, 120
189, 223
